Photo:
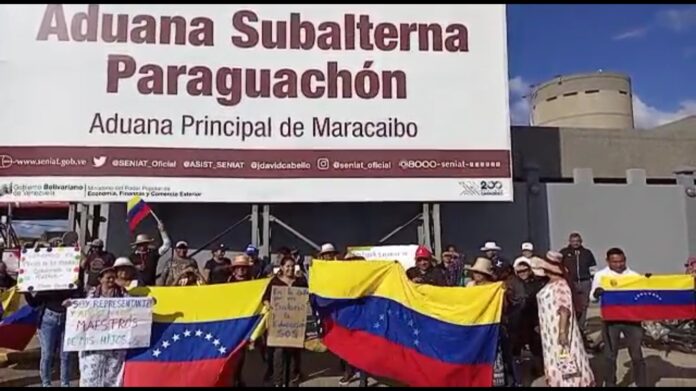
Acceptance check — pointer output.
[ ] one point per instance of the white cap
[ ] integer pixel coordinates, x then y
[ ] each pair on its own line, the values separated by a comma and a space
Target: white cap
181, 243
527, 246
327, 248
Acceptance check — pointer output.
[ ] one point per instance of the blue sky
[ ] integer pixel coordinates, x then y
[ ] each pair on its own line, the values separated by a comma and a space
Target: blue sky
654, 44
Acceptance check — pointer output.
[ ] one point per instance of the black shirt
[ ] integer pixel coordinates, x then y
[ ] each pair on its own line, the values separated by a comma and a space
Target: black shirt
146, 266
432, 276
219, 272
52, 300
276, 281
578, 262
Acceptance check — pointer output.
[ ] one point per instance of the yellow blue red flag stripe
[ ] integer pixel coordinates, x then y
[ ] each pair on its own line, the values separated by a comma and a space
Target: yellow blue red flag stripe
640, 298
420, 335
197, 334
136, 211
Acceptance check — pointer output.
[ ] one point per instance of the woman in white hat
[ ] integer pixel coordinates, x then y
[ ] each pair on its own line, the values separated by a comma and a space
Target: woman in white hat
481, 272
328, 252
125, 273
565, 361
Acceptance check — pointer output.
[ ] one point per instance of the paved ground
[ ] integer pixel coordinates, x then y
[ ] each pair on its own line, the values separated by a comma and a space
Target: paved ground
322, 369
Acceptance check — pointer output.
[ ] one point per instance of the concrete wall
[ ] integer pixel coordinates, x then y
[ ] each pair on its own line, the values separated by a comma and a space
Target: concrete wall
609, 153
647, 221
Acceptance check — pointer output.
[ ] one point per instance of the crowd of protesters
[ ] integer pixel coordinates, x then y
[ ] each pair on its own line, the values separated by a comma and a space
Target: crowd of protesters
544, 311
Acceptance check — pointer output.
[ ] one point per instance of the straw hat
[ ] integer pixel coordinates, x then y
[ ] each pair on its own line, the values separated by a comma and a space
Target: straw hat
142, 239
241, 260
482, 265
552, 263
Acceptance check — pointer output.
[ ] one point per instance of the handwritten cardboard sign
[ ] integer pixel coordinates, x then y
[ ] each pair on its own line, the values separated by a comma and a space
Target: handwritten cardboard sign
48, 269
405, 254
288, 318
108, 324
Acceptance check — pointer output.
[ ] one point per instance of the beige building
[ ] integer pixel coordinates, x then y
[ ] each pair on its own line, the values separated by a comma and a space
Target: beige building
591, 100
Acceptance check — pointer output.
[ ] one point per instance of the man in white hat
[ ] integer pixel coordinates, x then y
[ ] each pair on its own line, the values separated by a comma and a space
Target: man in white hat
528, 252
328, 252
145, 258
492, 251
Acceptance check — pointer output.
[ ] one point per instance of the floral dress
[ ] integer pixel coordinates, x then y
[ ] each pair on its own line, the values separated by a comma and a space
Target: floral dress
551, 298
102, 368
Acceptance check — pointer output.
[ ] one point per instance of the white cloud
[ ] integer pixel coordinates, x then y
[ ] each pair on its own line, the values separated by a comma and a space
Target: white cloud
646, 116
519, 103
678, 19
630, 34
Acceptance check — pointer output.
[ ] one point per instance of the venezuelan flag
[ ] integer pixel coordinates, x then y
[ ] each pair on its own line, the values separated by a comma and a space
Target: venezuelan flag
137, 210
197, 334
420, 335
17, 328
640, 298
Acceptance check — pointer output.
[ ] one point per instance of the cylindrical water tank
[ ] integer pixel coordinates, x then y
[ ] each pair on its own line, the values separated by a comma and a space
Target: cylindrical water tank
589, 100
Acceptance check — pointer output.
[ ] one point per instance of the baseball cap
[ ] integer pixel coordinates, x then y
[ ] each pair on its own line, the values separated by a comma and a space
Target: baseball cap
527, 246
251, 249
97, 243
181, 244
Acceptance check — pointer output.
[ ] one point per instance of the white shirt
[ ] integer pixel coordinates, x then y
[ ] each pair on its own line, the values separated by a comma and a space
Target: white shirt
607, 272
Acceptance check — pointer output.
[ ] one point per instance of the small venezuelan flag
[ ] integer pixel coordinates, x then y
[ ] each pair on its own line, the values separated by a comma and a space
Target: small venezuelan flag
420, 335
639, 298
195, 344
137, 210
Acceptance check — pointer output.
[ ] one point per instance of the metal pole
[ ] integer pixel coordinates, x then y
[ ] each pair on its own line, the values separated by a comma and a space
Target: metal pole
437, 229
218, 236
399, 228
427, 234
82, 234
255, 225
294, 232
266, 232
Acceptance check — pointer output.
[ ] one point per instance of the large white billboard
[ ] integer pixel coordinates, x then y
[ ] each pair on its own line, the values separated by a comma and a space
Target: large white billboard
254, 103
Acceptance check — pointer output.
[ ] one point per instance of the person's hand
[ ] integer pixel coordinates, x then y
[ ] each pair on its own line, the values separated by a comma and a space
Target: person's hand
67, 303
267, 305
537, 330
160, 226
418, 279
598, 292
563, 339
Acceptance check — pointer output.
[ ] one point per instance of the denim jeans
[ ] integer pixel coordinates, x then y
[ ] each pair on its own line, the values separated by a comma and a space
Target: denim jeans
51, 339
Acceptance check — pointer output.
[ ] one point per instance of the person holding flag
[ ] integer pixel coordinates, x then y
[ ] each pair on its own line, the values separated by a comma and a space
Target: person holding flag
144, 257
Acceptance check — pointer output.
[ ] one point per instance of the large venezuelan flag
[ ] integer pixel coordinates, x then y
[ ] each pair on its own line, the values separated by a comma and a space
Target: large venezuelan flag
640, 298
197, 334
17, 328
136, 211
420, 335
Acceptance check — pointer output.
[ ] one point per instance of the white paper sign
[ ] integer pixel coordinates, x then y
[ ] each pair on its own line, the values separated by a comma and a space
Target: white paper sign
108, 323
405, 254
48, 269
11, 260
